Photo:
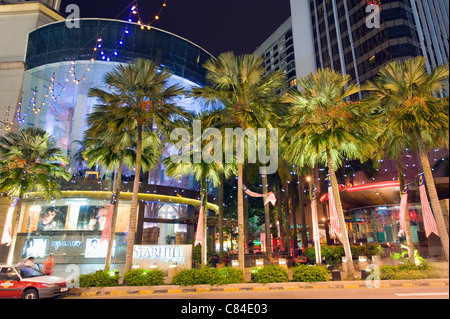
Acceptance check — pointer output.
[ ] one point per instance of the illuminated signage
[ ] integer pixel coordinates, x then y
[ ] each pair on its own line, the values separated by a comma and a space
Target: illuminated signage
56, 244
163, 255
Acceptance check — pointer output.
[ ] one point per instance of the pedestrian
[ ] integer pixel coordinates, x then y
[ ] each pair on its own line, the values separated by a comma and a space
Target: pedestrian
48, 265
30, 262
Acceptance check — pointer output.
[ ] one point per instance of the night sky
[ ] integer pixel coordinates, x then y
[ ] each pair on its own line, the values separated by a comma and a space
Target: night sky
215, 25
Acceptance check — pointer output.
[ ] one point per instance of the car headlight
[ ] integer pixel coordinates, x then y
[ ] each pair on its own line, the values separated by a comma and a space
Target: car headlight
50, 285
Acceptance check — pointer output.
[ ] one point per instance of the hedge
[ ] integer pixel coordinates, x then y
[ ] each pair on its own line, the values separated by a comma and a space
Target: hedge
333, 253
100, 278
305, 273
144, 277
268, 274
408, 271
208, 276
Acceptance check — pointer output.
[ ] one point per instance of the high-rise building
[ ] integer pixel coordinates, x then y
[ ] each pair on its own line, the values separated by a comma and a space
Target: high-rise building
431, 20
278, 52
357, 37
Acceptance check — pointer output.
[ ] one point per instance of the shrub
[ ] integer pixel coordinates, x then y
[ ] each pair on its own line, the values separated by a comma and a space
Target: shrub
374, 249
332, 254
272, 273
305, 273
99, 278
358, 250
207, 276
144, 277
229, 275
408, 271
310, 253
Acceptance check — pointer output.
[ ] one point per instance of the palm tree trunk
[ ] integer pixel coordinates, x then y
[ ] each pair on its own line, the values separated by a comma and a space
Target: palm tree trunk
246, 221
294, 219
314, 217
221, 214
287, 222
340, 213
267, 216
241, 238
302, 213
280, 217
204, 192
409, 241
434, 199
114, 216
15, 230
134, 202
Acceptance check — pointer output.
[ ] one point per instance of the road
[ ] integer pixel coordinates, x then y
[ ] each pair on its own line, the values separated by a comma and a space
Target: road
357, 293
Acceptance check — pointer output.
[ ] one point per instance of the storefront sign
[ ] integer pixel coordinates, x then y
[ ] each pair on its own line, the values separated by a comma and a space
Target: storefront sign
56, 244
163, 255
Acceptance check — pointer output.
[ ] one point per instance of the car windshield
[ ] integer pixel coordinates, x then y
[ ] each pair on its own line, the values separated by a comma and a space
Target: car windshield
28, 272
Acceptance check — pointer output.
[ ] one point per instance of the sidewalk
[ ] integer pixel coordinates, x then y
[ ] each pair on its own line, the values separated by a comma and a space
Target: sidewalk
173, 289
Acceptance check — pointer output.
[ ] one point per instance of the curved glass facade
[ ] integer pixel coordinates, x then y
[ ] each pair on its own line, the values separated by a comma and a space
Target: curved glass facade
63, 63
61, 66
57, 43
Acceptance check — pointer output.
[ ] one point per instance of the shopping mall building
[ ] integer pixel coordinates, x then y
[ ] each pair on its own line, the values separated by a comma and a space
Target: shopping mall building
47, 86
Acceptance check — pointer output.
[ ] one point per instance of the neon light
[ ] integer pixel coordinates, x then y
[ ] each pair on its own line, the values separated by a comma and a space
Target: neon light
324, 197
374, 185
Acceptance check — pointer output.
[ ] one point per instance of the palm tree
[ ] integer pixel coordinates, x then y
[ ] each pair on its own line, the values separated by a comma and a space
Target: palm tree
29, 162
144, 94
206, 172
393, 145
326, 128
246, 96
411, 99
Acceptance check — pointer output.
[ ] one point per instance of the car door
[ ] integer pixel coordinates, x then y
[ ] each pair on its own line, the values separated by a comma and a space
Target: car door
9, 283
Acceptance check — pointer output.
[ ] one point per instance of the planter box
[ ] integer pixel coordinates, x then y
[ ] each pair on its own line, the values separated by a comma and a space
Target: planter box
362, 262
336, 275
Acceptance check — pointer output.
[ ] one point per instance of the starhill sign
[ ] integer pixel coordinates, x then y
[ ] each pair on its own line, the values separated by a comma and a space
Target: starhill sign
163, 255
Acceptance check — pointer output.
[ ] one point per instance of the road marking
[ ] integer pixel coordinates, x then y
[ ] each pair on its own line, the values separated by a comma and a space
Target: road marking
424, 294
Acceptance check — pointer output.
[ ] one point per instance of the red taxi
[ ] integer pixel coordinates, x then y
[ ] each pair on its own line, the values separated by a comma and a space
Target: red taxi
29, 283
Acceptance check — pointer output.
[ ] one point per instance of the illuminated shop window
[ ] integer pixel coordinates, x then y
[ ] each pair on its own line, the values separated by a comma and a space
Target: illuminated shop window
73, 214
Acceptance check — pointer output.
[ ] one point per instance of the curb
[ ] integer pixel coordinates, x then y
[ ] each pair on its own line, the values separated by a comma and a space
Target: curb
172, 289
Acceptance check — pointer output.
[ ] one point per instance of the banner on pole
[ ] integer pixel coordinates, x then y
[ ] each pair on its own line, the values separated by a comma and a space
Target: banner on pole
270, 197
334, 220
7, 228
199, 232
106, 233
429, 223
